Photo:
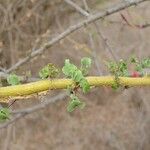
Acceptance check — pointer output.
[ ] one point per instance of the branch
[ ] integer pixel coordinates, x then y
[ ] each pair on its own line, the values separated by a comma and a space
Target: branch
44, 85
73, 28
24, 112
86, 14
105, 40
79, 9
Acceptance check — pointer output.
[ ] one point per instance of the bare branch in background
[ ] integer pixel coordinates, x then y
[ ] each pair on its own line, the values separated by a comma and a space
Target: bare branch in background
91, 37
73, 28
23, 112
97, 63
105, 40
85, 5
79, 9
8, 138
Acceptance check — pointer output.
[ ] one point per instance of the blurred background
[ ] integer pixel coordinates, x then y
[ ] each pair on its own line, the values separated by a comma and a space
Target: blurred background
111, 120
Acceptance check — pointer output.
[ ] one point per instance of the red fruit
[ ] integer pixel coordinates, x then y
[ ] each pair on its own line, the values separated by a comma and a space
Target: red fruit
135, 74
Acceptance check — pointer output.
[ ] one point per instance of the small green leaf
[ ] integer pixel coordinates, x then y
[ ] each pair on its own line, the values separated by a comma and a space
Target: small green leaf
75, 103
13, 79
118, 68
84, 85
69, 69
85, 65
49, 71
145, 63
138, 67
4, 114
77, 76
115, 86
133, 60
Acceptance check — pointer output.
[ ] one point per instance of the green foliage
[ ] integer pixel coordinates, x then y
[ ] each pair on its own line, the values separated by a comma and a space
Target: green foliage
78, 75
85, 65
71, 71
133, 60
13, 79
116, 84
84, 85
75, 103
49, 71
118, 68
4, 114
141, 65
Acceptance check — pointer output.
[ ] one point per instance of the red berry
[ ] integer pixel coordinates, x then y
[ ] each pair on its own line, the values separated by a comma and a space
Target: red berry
135, 74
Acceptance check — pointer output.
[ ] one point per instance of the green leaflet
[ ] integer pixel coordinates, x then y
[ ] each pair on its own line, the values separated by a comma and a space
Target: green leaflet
13, 79
85, 65
49, 71
141, 65
71, 71
75, 103
84, 85
118, 68
4, 114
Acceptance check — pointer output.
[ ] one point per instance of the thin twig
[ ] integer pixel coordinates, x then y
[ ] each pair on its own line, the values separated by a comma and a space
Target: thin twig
79, 9
90, 36
73, 28
94, 54
105, 40
22, 113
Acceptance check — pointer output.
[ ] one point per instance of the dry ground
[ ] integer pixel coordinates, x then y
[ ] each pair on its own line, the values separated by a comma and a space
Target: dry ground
111, 120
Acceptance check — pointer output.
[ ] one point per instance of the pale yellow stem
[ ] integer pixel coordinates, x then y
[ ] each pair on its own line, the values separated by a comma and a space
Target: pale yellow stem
44, 85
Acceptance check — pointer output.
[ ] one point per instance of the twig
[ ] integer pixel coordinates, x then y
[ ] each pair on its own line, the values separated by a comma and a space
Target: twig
22, 113
94, 54
100, 35
90, 36
73, 28
105, 40
79, 9
8, 138
85, 5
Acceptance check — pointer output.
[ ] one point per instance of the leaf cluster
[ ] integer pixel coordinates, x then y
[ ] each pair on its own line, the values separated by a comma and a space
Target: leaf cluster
75, 103
78, 75
49, 71
140, 66
71, 71
118, 68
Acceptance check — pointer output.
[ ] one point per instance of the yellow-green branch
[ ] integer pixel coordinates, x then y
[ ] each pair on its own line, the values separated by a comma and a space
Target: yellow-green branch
44, 85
